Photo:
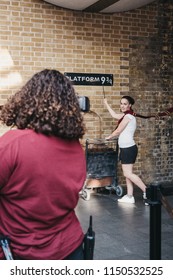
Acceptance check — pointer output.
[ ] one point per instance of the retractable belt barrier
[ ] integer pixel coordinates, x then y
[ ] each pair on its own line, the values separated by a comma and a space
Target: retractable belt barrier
156, 195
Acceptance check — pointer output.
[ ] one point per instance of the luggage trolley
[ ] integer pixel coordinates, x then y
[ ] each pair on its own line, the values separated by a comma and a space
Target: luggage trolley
101, 161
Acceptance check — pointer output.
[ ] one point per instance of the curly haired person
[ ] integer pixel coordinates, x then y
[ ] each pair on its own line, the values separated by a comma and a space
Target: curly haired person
42, 169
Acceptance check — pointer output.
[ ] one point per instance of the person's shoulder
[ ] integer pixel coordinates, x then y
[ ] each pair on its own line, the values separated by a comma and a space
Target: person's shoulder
130, 116
14, 134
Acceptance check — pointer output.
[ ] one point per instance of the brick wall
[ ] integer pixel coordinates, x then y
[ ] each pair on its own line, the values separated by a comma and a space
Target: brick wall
135, 46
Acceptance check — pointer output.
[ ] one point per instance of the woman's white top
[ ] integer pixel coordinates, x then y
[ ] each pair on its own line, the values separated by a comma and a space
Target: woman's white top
125, 139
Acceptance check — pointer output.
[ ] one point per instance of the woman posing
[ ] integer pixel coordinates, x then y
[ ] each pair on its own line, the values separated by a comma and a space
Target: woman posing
128, 148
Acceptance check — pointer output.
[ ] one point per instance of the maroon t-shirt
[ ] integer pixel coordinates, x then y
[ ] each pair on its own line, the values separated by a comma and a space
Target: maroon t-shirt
40, 180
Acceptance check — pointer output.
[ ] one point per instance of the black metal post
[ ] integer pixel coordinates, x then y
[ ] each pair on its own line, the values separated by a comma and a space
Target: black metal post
155, 222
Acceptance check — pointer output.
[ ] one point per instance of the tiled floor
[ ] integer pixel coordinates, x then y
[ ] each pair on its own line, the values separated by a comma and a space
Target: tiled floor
122, 230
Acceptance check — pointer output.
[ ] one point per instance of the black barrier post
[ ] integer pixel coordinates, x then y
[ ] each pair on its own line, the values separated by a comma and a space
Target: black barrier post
155, 222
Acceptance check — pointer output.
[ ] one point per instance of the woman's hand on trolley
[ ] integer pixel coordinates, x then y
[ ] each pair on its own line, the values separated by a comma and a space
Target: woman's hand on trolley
110, 137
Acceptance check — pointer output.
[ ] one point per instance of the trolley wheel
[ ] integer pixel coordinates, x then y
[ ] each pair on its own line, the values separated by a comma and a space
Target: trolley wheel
119, 190
86, 194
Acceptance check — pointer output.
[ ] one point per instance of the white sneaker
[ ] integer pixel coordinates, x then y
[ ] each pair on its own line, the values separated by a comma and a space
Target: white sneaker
146, 203
127, 199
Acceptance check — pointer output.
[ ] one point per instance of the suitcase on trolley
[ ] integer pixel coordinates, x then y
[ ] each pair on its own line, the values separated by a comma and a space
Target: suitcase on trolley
101, 161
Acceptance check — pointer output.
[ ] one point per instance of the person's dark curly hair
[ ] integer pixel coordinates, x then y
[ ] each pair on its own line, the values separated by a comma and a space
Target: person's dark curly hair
48, 104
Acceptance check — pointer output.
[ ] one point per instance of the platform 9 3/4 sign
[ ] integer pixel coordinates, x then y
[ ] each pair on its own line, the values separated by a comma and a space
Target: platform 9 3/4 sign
88, 79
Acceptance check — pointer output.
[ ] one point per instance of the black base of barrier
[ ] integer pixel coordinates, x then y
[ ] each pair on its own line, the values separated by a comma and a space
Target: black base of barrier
155, 221
156, 193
